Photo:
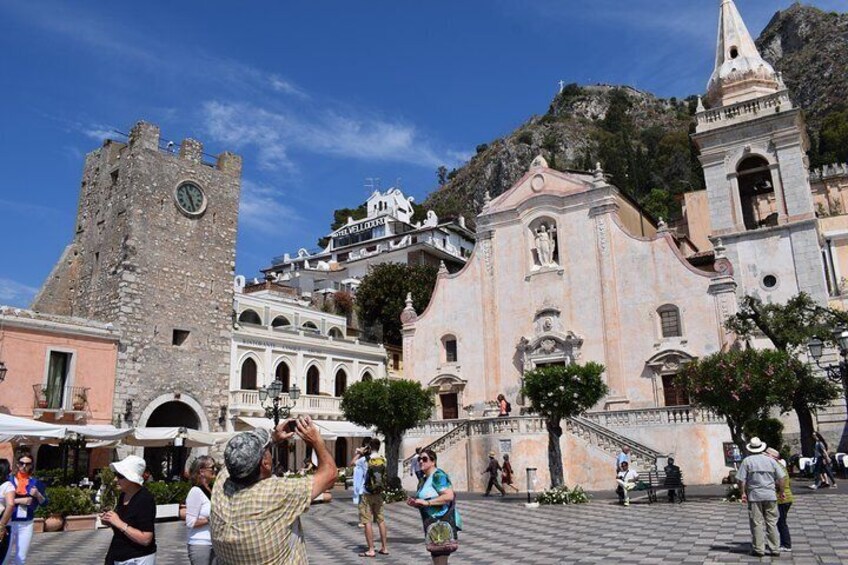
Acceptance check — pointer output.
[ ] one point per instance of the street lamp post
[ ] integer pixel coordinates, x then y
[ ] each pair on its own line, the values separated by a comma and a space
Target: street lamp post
837, 373
276, 411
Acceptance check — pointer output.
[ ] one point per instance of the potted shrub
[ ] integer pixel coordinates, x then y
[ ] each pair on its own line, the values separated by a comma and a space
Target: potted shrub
53, 512
80, 399
168, 497
80, 511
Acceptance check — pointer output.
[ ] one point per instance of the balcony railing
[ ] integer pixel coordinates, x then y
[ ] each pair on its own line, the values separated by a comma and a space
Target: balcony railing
53, 398
247, 401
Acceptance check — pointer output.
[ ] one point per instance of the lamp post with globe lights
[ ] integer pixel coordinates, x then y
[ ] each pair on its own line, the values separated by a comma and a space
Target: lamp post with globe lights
277, 411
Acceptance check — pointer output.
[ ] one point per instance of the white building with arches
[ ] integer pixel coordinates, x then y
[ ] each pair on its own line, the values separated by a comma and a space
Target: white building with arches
277, 336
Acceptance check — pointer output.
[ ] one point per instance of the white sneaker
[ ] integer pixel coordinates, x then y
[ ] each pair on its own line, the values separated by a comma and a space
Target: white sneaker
785, 548
814, 487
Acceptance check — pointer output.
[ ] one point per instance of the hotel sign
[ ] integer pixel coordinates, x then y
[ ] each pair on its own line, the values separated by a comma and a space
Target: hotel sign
362, 226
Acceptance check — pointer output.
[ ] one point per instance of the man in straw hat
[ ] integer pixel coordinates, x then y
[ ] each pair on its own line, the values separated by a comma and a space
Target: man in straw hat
761, 481
255, 517
494, 470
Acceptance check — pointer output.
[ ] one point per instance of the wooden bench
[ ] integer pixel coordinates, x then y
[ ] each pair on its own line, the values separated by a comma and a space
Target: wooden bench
658, 481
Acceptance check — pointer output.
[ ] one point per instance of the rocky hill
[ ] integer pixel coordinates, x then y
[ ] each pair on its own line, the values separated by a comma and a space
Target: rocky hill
643, 141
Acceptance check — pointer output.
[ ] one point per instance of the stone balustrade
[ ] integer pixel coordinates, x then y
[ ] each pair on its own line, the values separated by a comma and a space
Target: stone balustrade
247, 401
726, 115
655, 417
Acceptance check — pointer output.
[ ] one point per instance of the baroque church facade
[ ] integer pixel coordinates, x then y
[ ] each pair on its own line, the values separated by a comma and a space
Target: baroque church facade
566, 269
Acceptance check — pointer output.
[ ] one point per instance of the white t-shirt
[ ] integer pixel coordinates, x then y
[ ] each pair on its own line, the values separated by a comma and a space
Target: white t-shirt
629, 476
4, 488
198, 505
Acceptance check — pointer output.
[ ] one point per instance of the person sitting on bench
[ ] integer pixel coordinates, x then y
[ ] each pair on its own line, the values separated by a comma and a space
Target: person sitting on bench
672, 477
626, 479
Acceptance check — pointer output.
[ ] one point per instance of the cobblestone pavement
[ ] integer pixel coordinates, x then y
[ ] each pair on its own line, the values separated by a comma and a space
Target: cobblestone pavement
702, 530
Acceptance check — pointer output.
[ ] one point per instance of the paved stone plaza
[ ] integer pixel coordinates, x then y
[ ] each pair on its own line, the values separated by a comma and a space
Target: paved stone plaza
702, 530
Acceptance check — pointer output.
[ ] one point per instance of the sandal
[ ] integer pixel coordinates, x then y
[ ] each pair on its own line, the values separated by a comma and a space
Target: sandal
383, 552
367, 554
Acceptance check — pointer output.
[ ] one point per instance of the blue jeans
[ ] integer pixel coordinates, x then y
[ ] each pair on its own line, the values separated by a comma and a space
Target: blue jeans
782, 526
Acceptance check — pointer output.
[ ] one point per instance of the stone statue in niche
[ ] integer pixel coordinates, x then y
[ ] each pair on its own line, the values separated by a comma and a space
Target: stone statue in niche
545, 246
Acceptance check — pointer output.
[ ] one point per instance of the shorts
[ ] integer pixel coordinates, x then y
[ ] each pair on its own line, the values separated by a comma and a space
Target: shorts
371, 509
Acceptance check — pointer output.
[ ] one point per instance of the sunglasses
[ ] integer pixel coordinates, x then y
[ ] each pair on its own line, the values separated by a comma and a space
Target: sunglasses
23, 463
423, 458
120, 477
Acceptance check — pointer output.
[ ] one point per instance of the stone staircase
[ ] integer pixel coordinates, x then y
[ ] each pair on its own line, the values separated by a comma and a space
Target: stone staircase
593, 433
643, 457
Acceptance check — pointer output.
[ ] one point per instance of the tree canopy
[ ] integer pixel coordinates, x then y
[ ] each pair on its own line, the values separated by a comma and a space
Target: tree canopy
560, 391
391, 406
742, 385
381, 297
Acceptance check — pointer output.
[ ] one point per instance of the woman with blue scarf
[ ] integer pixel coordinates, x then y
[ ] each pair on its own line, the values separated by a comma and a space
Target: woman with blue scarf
437, 503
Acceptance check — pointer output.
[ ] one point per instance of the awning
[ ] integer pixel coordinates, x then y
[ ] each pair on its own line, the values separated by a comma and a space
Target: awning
161, 437
17, 429
330, 429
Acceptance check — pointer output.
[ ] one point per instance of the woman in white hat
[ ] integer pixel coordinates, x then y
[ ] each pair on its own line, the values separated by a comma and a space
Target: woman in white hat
132, 522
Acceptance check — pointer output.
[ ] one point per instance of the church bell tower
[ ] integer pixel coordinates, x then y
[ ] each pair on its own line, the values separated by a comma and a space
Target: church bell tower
753, 145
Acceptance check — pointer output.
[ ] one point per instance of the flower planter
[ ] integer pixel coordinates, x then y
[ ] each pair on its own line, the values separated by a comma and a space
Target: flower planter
166, 511
38, 525
42, 404
54, 523
79, 523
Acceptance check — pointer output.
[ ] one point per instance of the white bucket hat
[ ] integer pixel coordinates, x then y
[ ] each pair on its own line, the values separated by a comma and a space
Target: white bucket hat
756, 445
131, 467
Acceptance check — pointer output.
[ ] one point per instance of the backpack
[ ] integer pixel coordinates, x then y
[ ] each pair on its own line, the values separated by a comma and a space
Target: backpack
375, 476
508, 407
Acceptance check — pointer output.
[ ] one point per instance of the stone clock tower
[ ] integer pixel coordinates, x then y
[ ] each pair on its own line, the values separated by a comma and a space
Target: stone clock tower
154, 253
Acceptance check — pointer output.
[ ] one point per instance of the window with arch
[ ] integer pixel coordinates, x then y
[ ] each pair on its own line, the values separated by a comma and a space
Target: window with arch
280, 322
313, 380
670, 325
756, 193
282, 374
341, 382
367, 376
250, 317
335, 333
309, 326
248, 374
449, 347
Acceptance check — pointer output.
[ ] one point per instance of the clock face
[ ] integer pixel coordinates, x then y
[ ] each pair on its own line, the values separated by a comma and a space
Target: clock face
190, 199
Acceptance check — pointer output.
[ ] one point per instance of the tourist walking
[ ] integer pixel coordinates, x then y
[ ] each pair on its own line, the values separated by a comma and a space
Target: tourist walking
436, 501
198, 508
7, 507
255, 516
371, 498
133, 518
415, 466
626, 479
623, 456
760, 480
784, 503
822, 471
29, 495
672, 476
494, 470
507, 474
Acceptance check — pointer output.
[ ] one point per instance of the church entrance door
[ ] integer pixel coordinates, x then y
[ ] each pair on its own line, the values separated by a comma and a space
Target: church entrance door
450, 406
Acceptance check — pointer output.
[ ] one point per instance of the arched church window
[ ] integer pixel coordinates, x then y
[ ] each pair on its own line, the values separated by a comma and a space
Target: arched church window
341, 382
366, 376
335, 333
756, 193
670, 325
250, 317
310, 326
451, 354
248, 374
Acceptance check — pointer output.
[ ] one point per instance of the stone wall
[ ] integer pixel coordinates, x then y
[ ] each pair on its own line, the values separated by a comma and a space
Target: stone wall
141, 263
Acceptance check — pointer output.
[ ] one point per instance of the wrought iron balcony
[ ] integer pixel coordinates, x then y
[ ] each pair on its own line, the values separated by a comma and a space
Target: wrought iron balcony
57, 400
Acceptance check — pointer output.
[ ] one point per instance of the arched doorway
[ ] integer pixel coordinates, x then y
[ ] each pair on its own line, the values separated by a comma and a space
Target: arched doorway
282, 375
167, 462
313, 380
341, 382
341, 452
248, 374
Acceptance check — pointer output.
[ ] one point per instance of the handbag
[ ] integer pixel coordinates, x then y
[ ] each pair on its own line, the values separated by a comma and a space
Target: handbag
440, 532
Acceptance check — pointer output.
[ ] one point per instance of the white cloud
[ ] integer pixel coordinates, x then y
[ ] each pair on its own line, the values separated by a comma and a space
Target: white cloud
326, 132
260, 209
286, 87
14, 293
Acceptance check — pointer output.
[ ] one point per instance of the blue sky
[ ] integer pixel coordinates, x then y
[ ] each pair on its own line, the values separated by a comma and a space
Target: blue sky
317, 96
